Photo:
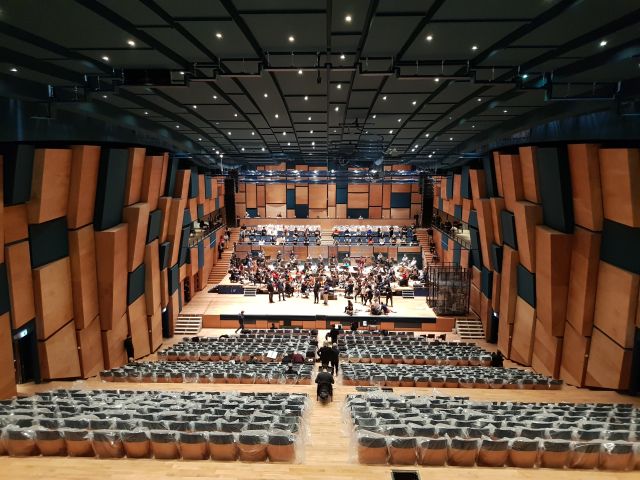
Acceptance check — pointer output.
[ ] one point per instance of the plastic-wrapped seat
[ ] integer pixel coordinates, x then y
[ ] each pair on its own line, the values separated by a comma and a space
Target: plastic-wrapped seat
462, 452
252, 446
136, 444
107, 444
555, 453
20, 442
372, 448
78, 443
222, 446
403, 450
193, 446
585, 455
50, 442
432, 452
523, 452
618, 456
164, 444
493, 453
281, 446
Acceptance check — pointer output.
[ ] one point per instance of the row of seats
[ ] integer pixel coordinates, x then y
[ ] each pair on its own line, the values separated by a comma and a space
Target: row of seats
425, 376
260, 332
209, 372
455, 431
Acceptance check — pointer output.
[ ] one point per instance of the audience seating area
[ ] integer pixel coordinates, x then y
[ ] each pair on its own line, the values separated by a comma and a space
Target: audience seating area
377, 235
434, 431
209, 372
281, 235
446, 376
241, 348
387, 349
252, 427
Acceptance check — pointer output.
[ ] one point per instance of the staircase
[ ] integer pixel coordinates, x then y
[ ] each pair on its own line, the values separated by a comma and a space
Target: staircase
250, 291
469, 328
326, 237
188, 325
425, 240
220, 269
407, 294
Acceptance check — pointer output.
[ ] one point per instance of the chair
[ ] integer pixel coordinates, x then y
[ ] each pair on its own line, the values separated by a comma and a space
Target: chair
164, 445
107, 444
20, 442
252, 446
462, 452
523, 453
136, 444
193, 446
432, 452
372, 449
555, 453
50, 443
281, 447
493, 453
222, 446
617, 456
78, 443
585, 455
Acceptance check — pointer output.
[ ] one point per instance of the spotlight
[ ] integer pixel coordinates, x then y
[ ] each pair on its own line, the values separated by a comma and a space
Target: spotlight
603, 43
342, 57
337, 109
474, 48
219, 35
347, 19
306, 97
105, 58
131, 43
300, 72
429, 38
291, 39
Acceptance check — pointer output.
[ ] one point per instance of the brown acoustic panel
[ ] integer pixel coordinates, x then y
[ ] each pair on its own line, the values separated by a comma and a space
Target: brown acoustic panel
85, 160
272, 211
251, 195
176, 213
19, 278
193, 208
575, 353
415, 188
2, 242
530, 186
386, 213
498, 169
386, 196
151, 175
276, 193
341, 210
290, 213
138, 327
497, 205
278, 167
478, 184
52, 294
609, 364
547, 352
485, 313
260, 196
401, 213
358, 188
509, 284
583, 279
49, 185
163, 174
15, 223
163, 205
443, 188
616, 303
152, 277
90, 349
401, 188
59, 355
495, 292
375, 195
485, 229
137, 218
457, 194
476, 274
239, 197
527, 216
505, 333
584, 166
302, 168
302, 195
511, 180
331, 195
113, 343
553, 265
84, 276
358, 200
241, 210
523, 335
474, 300
620, 177
155, 329
416, 209
416, 198
318, 213
317, 196
173, 310
202, 193
111, 266
135, 168
331, 212
7, 371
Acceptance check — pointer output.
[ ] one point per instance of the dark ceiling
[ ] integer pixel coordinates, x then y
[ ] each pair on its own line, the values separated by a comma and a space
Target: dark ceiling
413, 78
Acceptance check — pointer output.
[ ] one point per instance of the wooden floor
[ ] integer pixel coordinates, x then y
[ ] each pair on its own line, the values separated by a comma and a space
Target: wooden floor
327, 456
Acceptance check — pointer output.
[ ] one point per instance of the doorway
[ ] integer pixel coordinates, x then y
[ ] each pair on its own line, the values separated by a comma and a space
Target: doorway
25, 352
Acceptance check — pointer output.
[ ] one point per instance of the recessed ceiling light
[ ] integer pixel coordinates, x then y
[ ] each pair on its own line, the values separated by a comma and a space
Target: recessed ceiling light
300, 72
235, 114
342, 56
215, 97
603, 43
434, 152
390, 131
288, 144
450, 138
146, 113
177, 126
242, 149
525, 76
262, 149
199, 139
429, 38
414, 103
284, 133
253, 133
339, 86
309, 118
219, 35
105, 58
266, 95
276, 115
475, 47
384, 98
217, 152
131, 43
311, 132
479, 99
430, 155
104, 96
426, 135
229, 133
306, 97
473, 126
195, 106
291, 39
313, 143
436, 79
337, 109
14, 69
505, 111
399, 120
181, 72
367, 132
374, 116
347, 19
221, 155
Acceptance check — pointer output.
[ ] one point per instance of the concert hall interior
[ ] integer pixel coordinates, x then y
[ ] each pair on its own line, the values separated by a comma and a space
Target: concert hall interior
319, 239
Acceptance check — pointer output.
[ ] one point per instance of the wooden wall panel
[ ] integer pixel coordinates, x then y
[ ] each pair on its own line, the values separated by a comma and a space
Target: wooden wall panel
553, 264
547, 352
276, 193
260, 196
609, 364
84, 280
318, 213
358, 200
341, 210
474, 300
137, 218
113, 343
386, 196
375, 195
7, 371
317, 196
530, 186
155, 329
138, 327
90, 349
152, 277
59, 355
616, 303
50, 184
523, 333
583, 279
18, 262
485, 229
497, 205
134, 176
302, 195
151, 175
478, 184
173, 308
495, 292
584, 166
52, 294
527, 216
505, 333
272, 211
163, 205
85, 161
358, 188
485, 314
511, 180
202, 192
111, 266
176, 212
416, 209
375, 212
15, 223
251, 195
401, 213
457, 194
416, 198
620, 177
497, 167
575, 354
401, 187
164, 287
331, 195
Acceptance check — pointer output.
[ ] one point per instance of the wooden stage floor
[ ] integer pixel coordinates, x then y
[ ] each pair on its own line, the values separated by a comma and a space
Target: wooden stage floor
327, 455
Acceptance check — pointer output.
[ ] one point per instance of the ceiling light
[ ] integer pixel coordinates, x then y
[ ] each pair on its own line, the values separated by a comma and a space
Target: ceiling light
291, 39
146, 113
334, 130
342, 56
337, 109
311, 132
339, 86
474, 48
215, 97
253, 133
473, 126
105, 58
217, 152
14, 69
221, 155
309, 118
374, 116
177, 126
414, 103
347, 19
505, 111
429, 38
235, 114
266, 95
384, 98
436, 79
479, 99
199, 139
603, 43
300, 72
367, 132
131, 43
229, 133
399, 120
219, 35
313, 143
525, 76
426, 135
288, 144
104, 96
450, 138
195, 106
284, 133
306, 97
430, 155
262, 149
276, 115
390, 132
434, 152
181, 72
242, 149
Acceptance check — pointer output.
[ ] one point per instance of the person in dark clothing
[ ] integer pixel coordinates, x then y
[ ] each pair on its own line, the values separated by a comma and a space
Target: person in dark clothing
316, 292
349, 310
270, 290
497, 359
273, 325
297, 358
335, 360
220, 249
281, 291
288, 358
388, 293
240, 321
325, 382
325, 353
354, 326
334, 333
128, 346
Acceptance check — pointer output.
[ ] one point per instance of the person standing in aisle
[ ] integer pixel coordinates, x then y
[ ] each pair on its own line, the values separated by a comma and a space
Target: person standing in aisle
316, 291
240, 321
